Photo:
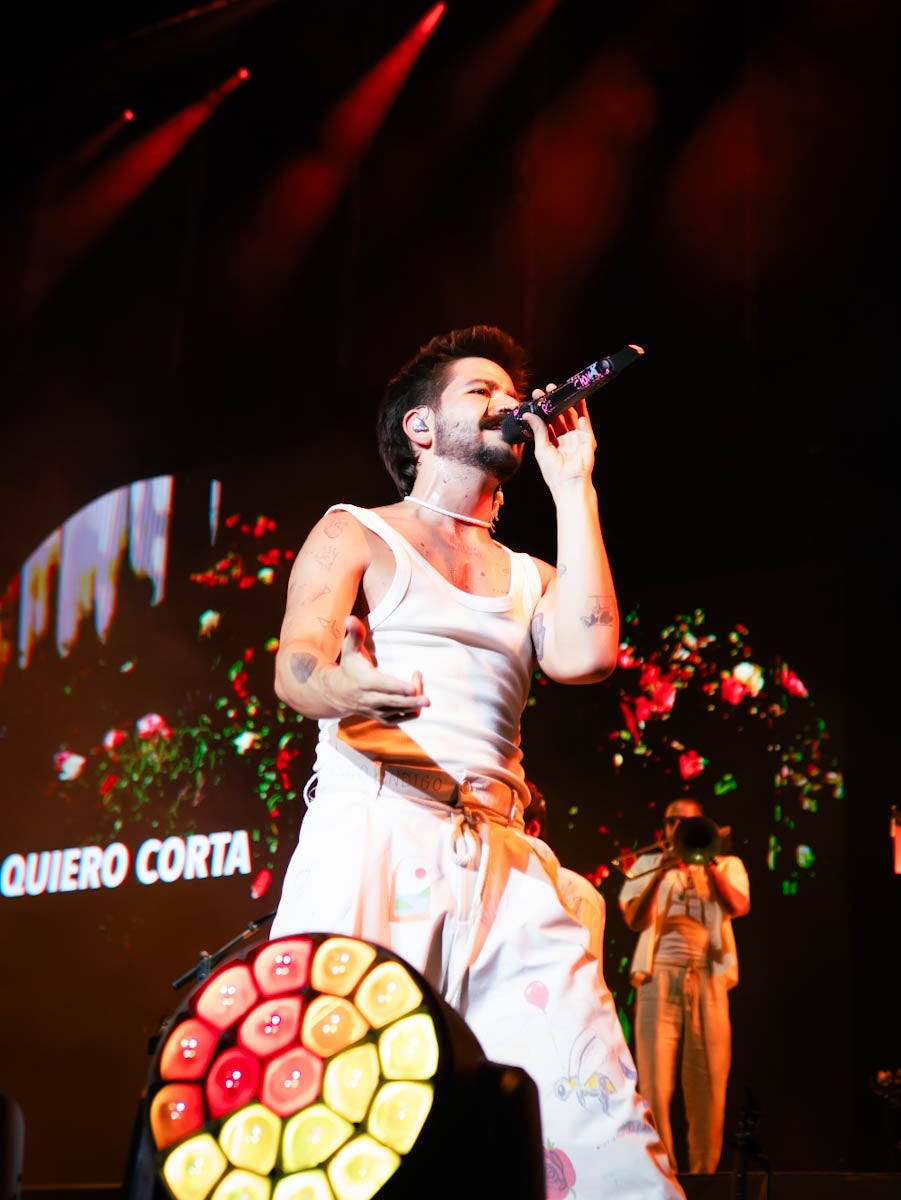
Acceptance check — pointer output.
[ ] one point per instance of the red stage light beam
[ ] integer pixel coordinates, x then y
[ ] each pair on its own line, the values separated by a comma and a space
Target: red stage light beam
299, 200
60, 174
227, 12
459, 100
78, 218
581, 162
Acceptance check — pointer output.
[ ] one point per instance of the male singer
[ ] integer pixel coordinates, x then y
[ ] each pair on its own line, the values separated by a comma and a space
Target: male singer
411, 635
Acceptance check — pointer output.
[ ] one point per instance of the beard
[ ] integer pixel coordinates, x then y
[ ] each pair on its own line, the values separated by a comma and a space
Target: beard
497, 458
500, 460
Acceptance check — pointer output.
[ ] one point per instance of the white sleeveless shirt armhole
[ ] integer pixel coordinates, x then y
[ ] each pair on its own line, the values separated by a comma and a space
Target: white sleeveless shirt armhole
524, 574
397, 545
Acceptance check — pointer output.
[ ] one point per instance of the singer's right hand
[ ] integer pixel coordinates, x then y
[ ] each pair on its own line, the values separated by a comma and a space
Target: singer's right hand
565, 447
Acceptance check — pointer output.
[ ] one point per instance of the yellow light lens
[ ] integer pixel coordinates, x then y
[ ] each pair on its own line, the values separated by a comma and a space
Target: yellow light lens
409, 1048
194, 1167
242, 1185
312, 1136
387, 993
399, 1112
330, 1025
308, 1185
339, 965
360, 1168
350, 1081
250, 1138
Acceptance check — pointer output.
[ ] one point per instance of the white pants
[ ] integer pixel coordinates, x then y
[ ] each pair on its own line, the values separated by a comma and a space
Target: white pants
683, 1032
473, 905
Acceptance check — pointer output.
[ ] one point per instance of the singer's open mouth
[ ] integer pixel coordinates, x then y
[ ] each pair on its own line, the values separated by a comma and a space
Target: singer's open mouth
496, 421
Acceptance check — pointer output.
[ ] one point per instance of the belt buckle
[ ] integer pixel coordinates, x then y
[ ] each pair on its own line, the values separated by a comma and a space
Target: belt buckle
489, 793
464, 789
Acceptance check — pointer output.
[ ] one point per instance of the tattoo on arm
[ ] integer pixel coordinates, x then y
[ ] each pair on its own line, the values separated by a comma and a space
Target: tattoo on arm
302, 666
538, 632
324, 590
331, 626
601, 614
326, 557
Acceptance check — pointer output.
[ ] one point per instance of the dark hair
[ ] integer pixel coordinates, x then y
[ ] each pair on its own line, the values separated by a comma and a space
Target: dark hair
536, 809
421, 381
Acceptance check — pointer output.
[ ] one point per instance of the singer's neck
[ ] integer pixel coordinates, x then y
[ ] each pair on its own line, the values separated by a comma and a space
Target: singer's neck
440, 513
464, 497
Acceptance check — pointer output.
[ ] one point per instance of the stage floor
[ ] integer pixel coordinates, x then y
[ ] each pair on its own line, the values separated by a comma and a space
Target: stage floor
725, 1185
793, 1185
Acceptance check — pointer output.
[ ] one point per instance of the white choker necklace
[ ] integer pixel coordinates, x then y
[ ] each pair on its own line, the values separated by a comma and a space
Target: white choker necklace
445, 512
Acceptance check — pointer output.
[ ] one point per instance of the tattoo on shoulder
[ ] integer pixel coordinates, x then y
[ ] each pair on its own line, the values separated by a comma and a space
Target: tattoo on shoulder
334, 524
538, 632
302, 666
601, 613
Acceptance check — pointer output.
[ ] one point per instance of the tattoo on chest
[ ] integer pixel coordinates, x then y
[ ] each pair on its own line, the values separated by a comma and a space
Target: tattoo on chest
462, 564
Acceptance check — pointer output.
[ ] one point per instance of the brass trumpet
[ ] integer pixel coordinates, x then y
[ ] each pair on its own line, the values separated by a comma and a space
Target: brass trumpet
696, 840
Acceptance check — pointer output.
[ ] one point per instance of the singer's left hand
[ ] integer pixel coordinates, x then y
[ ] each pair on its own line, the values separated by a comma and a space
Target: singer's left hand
565, 447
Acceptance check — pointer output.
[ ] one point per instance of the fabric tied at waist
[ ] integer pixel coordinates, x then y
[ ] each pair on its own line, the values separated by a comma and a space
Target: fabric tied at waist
491, 795
466, 843
498, 800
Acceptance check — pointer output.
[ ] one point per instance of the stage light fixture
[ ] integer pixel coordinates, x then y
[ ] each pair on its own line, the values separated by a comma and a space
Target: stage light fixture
324, 1067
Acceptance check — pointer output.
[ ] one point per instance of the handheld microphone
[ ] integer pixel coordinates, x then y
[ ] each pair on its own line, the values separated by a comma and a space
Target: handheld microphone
583, 383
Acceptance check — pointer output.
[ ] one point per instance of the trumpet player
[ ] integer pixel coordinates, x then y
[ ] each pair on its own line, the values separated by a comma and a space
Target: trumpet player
681, 898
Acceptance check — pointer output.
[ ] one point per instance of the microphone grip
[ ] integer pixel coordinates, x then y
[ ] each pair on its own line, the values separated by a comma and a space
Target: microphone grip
582, 384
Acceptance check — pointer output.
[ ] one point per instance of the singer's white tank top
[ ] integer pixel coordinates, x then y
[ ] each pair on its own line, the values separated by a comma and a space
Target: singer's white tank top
476, 658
